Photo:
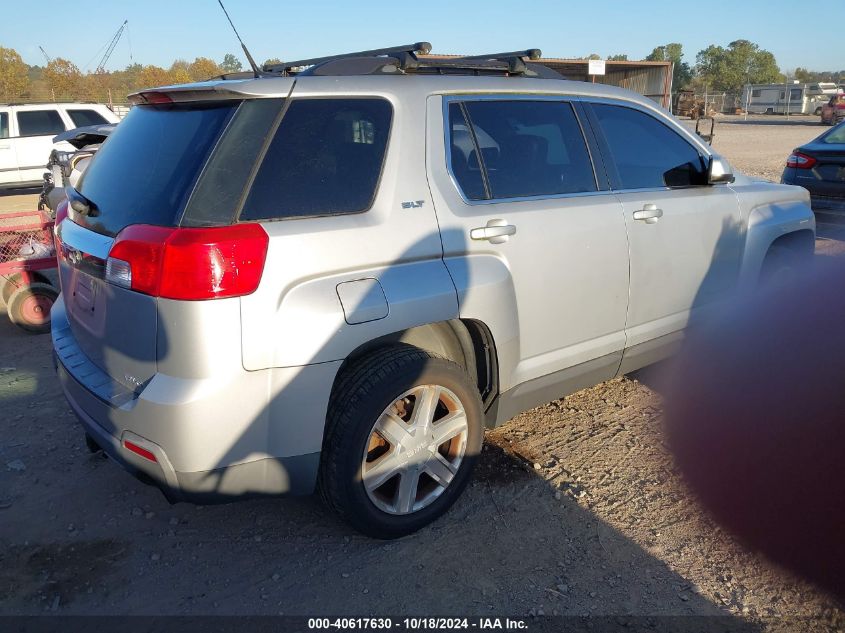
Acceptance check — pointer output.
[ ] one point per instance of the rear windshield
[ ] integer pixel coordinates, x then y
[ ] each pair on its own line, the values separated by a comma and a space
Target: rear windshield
836, 136
146, 170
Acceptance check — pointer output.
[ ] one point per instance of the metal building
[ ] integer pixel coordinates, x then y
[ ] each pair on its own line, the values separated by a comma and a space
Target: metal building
652, 79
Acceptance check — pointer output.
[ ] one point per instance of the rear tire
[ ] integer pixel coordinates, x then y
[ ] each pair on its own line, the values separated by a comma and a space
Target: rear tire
29, 307
404, 430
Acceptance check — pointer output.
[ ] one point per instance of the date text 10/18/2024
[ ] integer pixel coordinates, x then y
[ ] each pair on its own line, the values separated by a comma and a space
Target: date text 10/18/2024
417, 624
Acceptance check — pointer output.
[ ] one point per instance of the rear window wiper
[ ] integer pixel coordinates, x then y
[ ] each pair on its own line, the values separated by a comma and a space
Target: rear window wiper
81, 204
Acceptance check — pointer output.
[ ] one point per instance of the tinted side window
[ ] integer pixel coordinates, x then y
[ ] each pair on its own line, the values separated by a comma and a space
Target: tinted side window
81, 118
325, 159
4, 125
531, 148
39, 123
463, 157
646, 152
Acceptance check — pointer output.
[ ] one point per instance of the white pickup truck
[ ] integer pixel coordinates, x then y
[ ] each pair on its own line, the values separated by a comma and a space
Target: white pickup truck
27, 131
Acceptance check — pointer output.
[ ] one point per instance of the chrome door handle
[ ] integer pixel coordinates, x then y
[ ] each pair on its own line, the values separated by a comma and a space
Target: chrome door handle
649, 214
496, 232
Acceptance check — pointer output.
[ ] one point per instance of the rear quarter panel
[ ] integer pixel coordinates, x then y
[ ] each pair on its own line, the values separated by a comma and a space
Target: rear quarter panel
296, 317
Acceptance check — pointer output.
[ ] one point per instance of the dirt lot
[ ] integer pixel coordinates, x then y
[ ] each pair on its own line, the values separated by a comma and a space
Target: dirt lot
576, 509
758, 145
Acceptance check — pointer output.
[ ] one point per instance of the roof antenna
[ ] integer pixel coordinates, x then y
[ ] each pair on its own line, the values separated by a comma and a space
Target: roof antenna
249, 58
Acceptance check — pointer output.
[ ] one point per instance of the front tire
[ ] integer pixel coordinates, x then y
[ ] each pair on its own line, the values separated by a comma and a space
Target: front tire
404, 429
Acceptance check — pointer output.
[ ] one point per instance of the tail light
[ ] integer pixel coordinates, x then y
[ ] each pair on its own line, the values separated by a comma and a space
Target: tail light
188, 264
155, 98
800, 161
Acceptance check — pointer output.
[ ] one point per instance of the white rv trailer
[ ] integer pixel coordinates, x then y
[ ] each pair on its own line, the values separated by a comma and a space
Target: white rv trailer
787, 98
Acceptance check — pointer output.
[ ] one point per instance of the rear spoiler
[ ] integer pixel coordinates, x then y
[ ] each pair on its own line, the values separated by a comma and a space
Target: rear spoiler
208, 91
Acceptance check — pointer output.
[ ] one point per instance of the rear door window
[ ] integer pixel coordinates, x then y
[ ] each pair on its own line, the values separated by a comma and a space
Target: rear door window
530, 148
325, 159
146, 171
646, 153
81, 118
39, 123
4, 125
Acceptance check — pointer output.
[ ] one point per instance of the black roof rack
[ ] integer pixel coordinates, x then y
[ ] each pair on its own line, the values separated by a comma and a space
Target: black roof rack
393, 51
514, 59
410, 58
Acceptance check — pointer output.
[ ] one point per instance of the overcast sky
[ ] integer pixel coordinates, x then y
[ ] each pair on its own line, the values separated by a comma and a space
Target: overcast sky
798, 33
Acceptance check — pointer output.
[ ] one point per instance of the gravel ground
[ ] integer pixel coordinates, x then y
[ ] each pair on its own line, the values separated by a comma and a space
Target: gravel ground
759, 145
576, 509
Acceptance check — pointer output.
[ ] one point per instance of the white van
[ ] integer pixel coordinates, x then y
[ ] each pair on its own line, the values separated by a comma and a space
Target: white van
27, 131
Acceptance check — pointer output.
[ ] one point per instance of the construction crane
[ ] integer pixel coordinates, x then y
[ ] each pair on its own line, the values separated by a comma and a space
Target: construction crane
46, 56
101, 67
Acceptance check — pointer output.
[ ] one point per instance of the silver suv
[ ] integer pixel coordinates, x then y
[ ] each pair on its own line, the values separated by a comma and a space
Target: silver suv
335, 278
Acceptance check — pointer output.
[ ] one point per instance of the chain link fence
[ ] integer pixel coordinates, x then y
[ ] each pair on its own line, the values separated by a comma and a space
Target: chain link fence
711, 102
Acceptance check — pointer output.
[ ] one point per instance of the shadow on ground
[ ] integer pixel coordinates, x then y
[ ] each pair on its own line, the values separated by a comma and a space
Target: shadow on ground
80, 536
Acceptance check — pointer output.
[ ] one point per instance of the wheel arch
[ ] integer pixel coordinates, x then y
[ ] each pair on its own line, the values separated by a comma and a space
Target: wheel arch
467, 342
802, 242
776, 215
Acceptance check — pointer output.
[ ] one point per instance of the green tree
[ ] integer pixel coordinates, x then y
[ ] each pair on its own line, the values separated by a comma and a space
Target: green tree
63, 77
673, 52
617, 58
13, 74
805, 75
742, 62
34, 72
271, 61
230, 64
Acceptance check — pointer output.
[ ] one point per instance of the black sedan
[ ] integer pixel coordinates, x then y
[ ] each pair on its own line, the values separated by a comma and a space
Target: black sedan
819, 167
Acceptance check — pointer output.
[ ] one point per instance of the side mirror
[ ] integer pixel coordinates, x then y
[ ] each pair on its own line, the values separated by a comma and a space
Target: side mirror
719, 170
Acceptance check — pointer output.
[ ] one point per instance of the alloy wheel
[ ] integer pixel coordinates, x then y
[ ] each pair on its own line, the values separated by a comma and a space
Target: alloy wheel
414, 449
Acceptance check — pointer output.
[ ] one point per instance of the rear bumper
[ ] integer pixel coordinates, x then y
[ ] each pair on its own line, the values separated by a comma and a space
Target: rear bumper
296, 475
252, 434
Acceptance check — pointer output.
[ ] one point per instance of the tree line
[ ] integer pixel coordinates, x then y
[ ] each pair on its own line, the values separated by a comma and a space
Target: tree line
61, 80
716, 68
729, 68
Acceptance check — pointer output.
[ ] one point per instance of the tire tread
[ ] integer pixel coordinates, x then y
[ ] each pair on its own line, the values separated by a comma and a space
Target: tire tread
354, 385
